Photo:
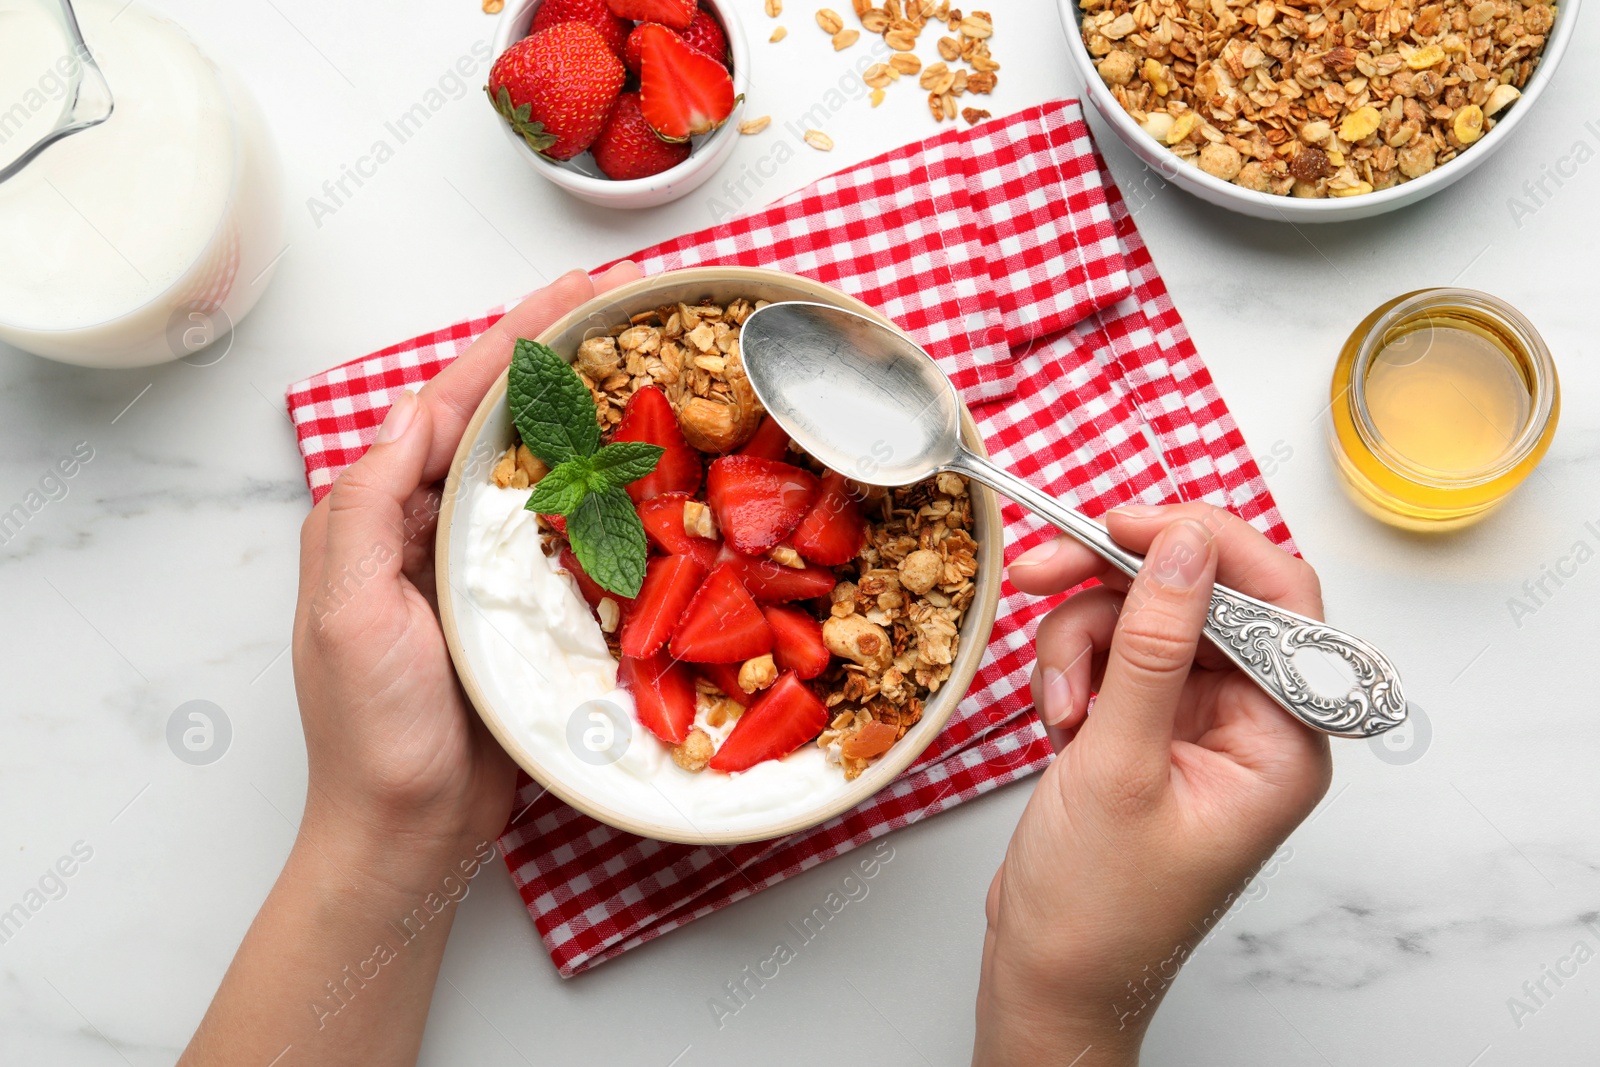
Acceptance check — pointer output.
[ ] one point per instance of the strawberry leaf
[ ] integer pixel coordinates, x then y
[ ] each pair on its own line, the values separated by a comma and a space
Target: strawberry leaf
532, 132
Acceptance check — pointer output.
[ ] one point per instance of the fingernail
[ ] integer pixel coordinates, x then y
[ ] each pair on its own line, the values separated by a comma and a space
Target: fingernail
1181, 559
401, 414
1057, 697
1038, 554
1138, 511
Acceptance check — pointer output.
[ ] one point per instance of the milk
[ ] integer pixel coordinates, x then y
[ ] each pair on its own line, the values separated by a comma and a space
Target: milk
144, 238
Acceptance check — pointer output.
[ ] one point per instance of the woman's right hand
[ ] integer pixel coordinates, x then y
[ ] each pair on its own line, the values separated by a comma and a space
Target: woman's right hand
1163, 802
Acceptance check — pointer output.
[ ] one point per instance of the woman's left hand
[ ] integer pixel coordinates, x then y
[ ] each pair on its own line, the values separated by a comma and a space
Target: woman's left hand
390, 737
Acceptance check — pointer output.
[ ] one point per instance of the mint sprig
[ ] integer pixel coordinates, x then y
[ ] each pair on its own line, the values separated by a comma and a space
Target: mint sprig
587, 483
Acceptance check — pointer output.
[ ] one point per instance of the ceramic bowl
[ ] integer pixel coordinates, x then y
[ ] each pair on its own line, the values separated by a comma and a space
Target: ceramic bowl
583, 179
588, 788
1192, 179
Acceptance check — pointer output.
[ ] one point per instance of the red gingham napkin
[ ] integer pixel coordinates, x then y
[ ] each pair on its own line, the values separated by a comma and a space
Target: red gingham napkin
1007, 251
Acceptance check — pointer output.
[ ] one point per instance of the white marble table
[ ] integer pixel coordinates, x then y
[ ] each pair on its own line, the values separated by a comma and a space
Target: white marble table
1429, 888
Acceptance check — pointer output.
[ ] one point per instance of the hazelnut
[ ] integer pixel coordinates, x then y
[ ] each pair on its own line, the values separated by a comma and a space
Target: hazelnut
698, 520
921, 571
859, 640
786, 556
756, 674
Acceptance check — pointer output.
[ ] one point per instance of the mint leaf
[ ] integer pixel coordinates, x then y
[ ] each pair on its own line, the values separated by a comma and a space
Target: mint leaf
551, 406
624, 462
562, 490
608, 539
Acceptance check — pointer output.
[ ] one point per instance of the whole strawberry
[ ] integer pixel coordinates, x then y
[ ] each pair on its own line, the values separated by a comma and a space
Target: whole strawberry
703, 35
628, 148
595, 12
557, 87
676, 14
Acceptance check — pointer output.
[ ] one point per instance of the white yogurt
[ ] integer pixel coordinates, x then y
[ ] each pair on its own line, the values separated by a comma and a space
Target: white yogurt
113, 240
539, 657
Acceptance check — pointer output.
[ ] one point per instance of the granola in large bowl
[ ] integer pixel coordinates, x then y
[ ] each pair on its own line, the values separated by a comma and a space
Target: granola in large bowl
796, 639
1302, 101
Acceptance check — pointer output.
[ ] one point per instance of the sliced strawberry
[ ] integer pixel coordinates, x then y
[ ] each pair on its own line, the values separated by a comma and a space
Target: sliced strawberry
663, 695
725, 676
786, 717
796, 641
675, 13
682, 91
757, 502
873, 739
663, 524
722, 624
595, 12
769, 442
770, 582
706, 35
592, 591
649, 417
833, 531
669, 585
558, 523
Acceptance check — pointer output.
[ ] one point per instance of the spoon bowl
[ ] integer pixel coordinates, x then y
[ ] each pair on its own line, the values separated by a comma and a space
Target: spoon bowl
867, 401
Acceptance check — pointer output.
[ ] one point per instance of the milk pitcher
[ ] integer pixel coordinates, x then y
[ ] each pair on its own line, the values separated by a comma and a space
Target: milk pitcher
141, 210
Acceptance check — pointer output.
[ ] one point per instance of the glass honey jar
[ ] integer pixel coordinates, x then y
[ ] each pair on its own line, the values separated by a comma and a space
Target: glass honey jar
1443, 401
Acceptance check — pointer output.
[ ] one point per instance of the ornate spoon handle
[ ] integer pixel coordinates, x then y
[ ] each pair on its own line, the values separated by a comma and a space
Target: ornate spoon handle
1263, 640
1260, 638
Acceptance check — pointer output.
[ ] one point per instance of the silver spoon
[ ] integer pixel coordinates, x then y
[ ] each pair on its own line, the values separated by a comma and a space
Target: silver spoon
868, 402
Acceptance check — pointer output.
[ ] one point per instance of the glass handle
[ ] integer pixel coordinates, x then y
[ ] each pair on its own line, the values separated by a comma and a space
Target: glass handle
88, 101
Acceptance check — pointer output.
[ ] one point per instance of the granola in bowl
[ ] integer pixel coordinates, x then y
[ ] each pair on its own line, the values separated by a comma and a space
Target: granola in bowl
782, 604
1311, 100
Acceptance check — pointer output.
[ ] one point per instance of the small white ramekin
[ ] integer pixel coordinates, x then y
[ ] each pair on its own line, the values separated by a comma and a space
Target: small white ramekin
1213, 190
583, 179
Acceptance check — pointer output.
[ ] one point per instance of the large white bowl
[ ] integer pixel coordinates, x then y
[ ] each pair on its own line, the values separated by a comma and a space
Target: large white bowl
583, 179
487, 436
1192, 179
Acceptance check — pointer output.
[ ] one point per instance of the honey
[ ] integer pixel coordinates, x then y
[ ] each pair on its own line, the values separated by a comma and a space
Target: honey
1443, 401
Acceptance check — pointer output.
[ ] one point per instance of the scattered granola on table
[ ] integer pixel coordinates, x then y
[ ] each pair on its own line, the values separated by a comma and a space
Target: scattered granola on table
900, 23
1300, 98
863, 594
